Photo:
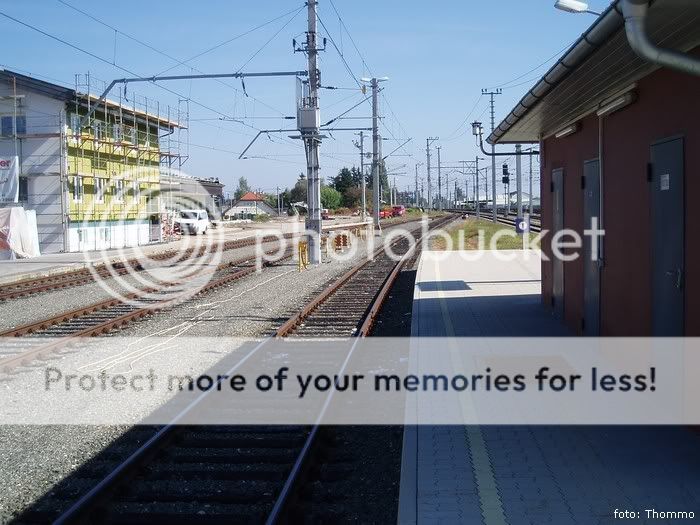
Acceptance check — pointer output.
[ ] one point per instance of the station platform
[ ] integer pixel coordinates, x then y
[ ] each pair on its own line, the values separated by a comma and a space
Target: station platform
529, 474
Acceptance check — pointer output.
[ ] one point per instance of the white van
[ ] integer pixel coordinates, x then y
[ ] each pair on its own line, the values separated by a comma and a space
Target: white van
193, 221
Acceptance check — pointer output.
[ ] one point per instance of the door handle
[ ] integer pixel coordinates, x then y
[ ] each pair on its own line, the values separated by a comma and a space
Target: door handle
679, 278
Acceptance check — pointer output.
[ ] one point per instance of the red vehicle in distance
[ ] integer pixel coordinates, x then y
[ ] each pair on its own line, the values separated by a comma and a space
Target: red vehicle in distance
398, 211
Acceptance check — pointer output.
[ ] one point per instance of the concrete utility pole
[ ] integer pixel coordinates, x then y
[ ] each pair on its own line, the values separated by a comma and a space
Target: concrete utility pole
376, 197
476, 184
439, 179
492, 94
361, 146
447, 187
428, 142
530, 191
416, 194
518, 179
466, 185
486, 181
312, 140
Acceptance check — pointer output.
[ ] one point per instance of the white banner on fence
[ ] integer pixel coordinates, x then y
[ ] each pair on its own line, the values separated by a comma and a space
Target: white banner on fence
9, 179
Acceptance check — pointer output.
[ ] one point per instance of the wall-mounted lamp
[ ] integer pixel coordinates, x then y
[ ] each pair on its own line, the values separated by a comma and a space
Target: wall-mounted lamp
611, 106
569, 130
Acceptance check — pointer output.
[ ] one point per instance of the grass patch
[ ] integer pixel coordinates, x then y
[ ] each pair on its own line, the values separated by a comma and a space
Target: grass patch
472, 228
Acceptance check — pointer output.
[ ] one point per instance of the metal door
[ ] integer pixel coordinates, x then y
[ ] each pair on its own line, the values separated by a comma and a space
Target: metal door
668, 237
591, 261
558, 225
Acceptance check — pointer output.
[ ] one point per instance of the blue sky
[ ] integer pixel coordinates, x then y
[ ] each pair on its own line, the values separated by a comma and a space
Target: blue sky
438, 56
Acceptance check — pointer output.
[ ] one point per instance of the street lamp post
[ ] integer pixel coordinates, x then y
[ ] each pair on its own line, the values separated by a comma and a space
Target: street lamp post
574, 6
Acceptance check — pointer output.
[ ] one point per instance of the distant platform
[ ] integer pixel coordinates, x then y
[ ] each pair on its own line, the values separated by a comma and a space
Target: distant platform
488, 297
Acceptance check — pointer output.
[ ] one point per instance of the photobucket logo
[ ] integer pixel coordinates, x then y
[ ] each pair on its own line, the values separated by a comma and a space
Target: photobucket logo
129, 218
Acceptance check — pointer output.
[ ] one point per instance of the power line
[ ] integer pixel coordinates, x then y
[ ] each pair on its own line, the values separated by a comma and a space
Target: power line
556, 55
122, 68
352, 40
466, 119
179, 62
294, 11
342, 58
269, 40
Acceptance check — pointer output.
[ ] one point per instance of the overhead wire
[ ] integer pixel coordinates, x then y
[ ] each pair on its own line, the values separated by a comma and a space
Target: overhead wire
294, 13
340, 53
186, 62
104, 60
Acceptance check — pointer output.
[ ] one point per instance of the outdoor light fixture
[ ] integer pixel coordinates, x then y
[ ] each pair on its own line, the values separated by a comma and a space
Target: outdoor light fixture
569, 130
574, 6
607, 108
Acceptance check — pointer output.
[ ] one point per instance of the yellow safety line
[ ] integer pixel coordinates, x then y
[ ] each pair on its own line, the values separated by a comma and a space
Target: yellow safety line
489, 499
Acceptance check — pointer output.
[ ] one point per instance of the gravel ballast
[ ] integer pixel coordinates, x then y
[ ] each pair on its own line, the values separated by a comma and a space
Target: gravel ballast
35, 458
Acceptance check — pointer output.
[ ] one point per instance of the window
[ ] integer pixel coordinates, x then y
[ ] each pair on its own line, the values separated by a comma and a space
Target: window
99, 164
77, 188
99, 190
104, 235
75, 123
119, 190
117, 133
136, 190
133, 134
8, 123
99, 130
23, 189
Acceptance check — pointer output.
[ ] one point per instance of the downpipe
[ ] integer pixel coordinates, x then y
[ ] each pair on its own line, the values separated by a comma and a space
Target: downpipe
635, 14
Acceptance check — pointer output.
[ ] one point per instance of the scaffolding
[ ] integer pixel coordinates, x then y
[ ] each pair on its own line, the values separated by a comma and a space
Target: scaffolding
129, 144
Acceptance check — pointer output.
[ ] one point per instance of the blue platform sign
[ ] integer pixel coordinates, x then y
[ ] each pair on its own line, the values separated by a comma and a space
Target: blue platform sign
522, 225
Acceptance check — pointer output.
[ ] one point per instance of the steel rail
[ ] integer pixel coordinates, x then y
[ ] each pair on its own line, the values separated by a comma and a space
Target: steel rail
80, 276
13, 361
81, 508
276, 515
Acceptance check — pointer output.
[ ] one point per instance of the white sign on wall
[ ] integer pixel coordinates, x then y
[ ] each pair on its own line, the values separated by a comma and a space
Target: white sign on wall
9, 179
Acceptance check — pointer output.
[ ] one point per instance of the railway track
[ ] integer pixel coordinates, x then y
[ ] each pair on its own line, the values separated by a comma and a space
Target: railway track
36, 340
70, 279
40, 339
248, 474
33, 286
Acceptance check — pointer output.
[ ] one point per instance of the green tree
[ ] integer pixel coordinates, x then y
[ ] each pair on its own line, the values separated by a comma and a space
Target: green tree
357, 177
243, 188
343, 181
330, 198
298, 192
352, 198
383, 182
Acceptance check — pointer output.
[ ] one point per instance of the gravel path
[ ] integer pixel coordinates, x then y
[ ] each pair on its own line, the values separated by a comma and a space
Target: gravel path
35, 458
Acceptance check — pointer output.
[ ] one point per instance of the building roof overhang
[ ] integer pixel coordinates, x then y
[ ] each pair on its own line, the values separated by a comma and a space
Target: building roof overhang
599, 65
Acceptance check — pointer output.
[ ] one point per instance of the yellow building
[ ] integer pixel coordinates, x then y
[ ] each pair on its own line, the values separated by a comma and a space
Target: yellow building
93, 182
